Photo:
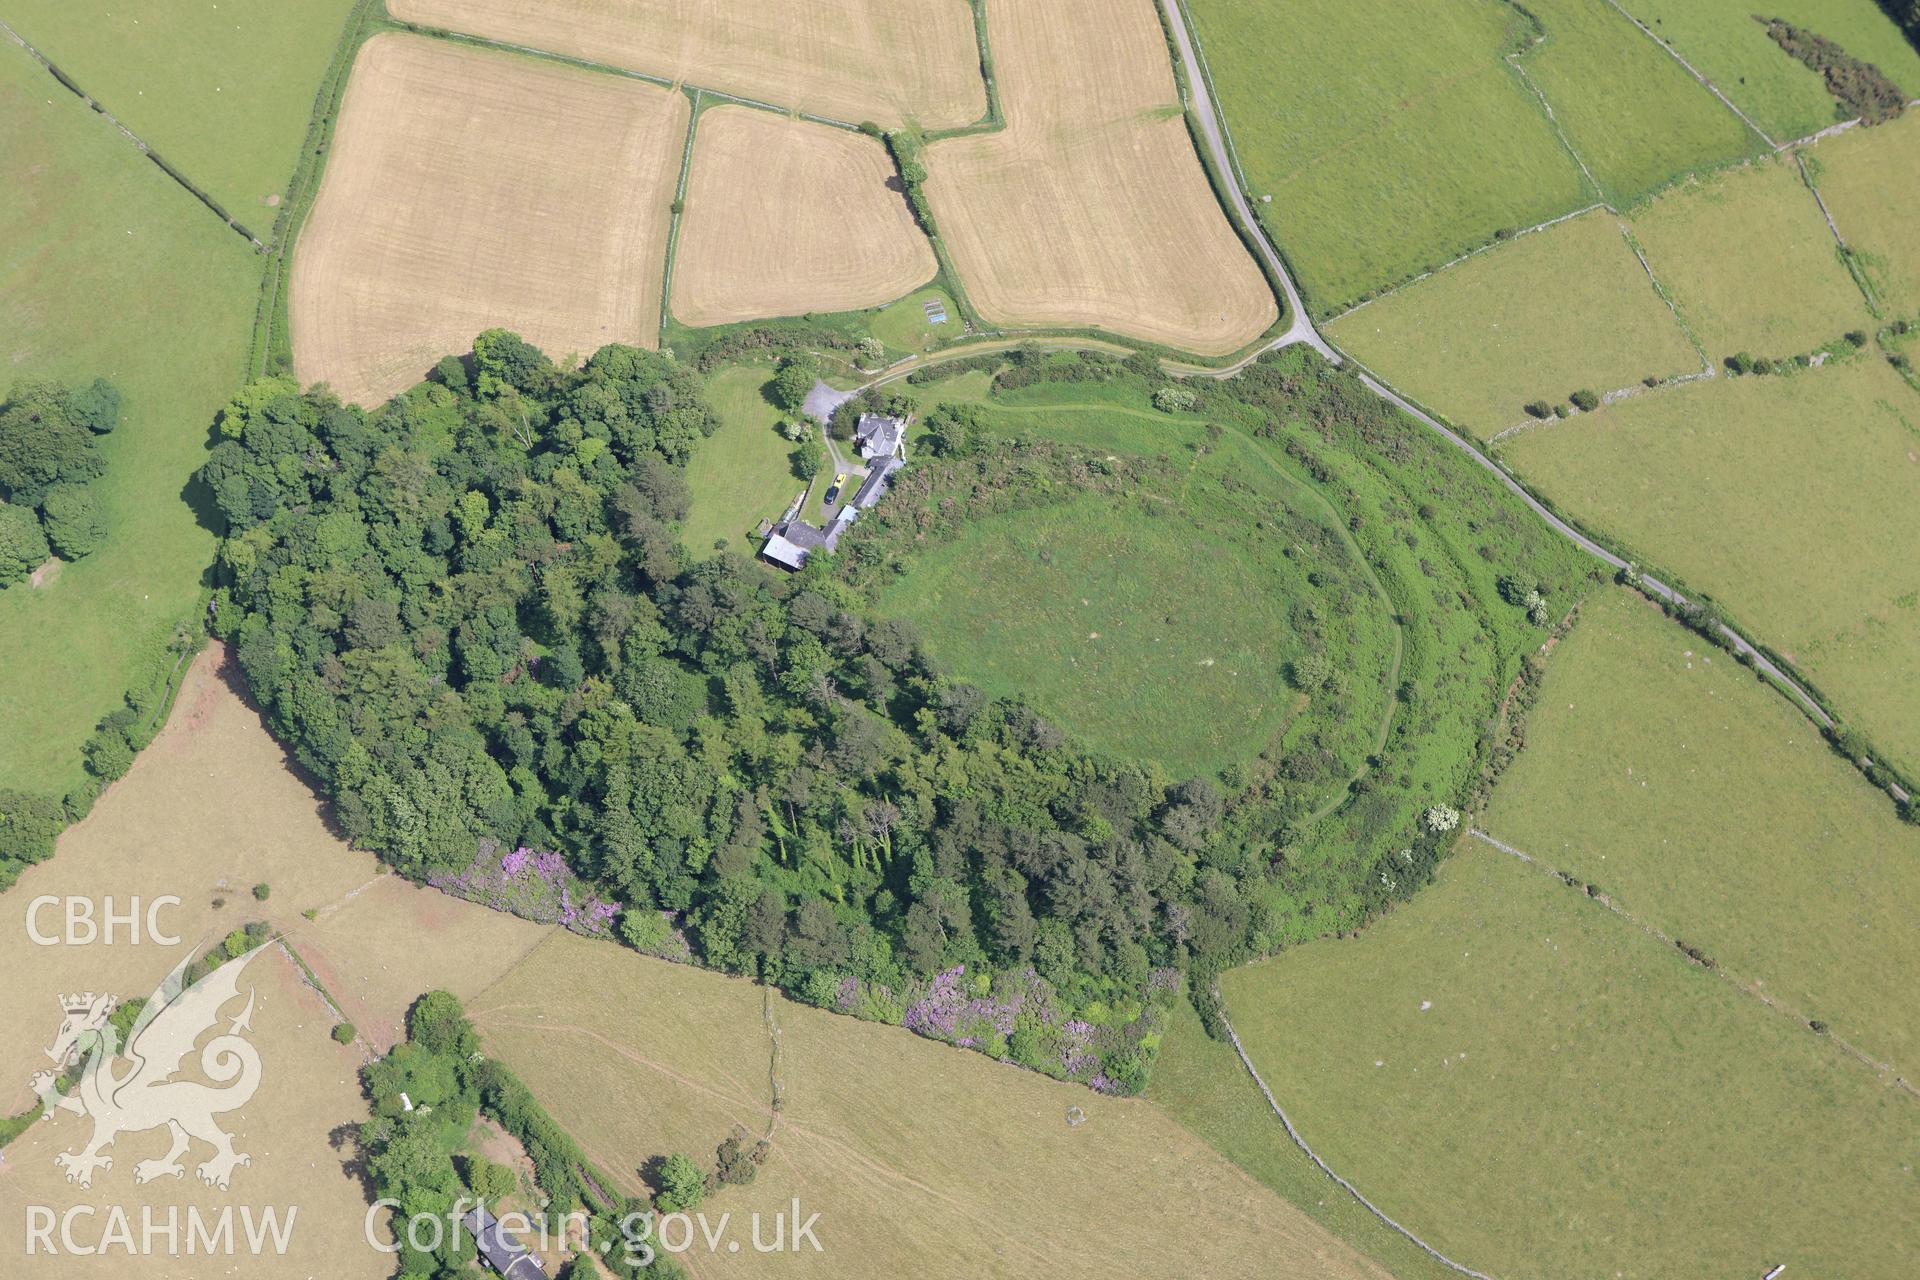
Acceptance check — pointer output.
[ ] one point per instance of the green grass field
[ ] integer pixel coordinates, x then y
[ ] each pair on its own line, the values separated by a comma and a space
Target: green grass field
1549, 314
1200, 1083
1633, 113
1141, 626
1707, 806
743, 473
222, 88
1540, 1089
1391, 136
1784, 97
1870, 179
1433, 533
108, 268
1793, 500
1750, 262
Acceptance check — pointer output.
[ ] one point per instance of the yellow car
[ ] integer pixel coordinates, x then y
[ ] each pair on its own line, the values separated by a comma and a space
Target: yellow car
833, 490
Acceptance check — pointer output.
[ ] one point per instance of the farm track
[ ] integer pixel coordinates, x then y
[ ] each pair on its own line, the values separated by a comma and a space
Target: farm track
1302, 330
1200, 100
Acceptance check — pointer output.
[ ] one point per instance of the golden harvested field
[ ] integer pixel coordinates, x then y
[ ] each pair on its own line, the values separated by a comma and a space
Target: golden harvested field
1750, 262
1870, 179
1537, 319
468, 189
208, 810
890, 61
878, 1129
1091, 208
785, 217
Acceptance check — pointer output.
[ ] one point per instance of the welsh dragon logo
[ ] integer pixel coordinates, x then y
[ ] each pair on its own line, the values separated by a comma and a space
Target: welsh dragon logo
134, 1090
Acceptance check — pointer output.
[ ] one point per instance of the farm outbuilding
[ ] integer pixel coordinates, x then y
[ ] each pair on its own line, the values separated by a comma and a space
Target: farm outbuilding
874, 487
793, 539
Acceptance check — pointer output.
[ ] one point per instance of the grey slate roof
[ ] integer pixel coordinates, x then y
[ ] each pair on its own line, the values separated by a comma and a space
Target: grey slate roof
802, 534
792, 541
874, 487
501, 1253
783, 552
878, 435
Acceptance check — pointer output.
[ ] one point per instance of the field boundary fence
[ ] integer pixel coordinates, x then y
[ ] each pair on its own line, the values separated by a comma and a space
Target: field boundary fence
140, 144
1691, 70
1886, 1070
1326, 1168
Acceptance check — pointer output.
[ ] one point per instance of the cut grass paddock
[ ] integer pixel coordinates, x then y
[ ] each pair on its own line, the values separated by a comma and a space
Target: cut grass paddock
1539, 1089
1091, 209
742, 473
904, 325
876, 1128
377, 952
1786, 98
784, 217
221, 88
208, 810
1538, 319
1794, 500
309, 1091
108, 269
1390, 135
1870, 179
1750, 262
468, 189
894, 62
1705, 805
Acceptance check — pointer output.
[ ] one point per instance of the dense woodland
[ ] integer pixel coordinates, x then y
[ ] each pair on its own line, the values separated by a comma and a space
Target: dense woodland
469, 615
47, 460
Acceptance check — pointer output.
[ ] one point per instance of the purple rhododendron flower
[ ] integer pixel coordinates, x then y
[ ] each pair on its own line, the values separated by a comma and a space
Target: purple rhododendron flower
535, 886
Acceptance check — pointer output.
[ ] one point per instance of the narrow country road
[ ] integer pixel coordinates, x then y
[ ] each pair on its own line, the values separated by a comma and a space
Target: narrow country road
1302, 331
